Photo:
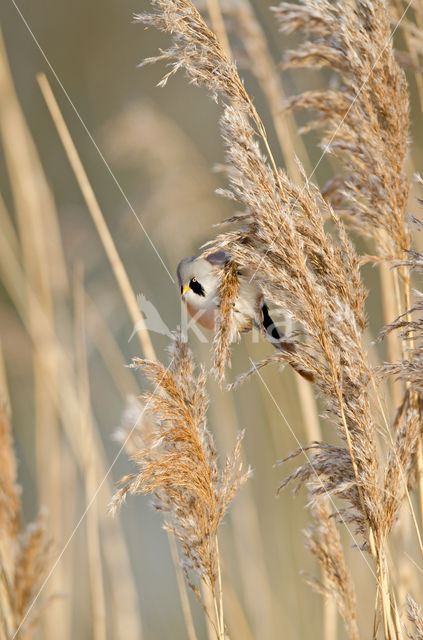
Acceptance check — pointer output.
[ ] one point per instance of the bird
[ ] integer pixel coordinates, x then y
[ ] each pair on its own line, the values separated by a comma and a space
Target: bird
198, 278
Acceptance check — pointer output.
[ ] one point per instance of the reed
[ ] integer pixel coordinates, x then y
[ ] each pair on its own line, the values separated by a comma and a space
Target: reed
307, 247
177, 463
25, 552
35, 276
312, 271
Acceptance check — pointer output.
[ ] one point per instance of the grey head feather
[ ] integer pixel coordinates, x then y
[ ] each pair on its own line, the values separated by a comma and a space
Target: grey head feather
181, 266
216, 259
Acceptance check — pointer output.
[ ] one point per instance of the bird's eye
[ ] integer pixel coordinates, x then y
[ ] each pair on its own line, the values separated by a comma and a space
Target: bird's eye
194, 280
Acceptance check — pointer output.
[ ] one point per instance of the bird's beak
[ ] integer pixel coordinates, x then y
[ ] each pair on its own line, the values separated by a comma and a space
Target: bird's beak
185, 290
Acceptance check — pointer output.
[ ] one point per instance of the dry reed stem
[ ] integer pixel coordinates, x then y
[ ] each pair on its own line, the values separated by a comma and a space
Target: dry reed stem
186, 608
218, 25
324, 543
330, 627
4, 394
108, 243
39, 239
95, 564
247, 537
14, 281
48, 348
102, 229
397, 9
390, 311
244, 24
208, 603
308, 408
98, 219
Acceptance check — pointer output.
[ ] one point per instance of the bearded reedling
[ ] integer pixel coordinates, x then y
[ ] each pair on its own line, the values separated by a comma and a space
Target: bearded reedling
198, 278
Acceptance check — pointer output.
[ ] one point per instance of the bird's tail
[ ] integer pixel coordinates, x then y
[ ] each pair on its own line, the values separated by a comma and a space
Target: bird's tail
280, 342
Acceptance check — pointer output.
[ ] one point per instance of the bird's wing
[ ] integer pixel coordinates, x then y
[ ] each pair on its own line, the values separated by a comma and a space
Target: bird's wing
218, 258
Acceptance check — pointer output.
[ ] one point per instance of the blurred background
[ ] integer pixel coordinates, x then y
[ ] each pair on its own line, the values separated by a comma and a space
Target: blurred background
65, 326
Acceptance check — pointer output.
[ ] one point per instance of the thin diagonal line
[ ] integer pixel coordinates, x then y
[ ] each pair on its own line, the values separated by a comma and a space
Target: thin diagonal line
325, 150
407, 555
314, 470
87, 508
115, 180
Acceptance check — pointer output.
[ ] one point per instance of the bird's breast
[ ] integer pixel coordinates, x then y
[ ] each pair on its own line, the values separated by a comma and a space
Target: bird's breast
204, 317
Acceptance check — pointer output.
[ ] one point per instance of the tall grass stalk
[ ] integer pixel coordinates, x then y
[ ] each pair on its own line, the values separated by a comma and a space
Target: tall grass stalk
282, 240
114, 258
98, 219
38, 237
39, 305
95, 565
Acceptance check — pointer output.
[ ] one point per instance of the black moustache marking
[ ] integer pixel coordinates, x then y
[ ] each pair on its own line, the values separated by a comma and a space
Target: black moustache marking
197, 288
269, 325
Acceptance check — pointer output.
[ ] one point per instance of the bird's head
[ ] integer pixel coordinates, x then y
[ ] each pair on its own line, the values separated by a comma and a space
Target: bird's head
198, 278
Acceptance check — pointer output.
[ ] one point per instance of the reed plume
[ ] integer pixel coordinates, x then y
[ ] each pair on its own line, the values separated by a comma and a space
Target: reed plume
178, 465
136, 429
194, 48
301, 269
294, 243
225, 323
402, 463
324, 543
409, 326
25, 553
365, 120
415, 616
304, 271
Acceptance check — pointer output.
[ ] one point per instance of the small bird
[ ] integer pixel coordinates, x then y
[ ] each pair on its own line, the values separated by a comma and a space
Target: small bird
198, 278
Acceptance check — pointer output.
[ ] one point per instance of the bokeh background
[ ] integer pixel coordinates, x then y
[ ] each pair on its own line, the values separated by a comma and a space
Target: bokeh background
163, 147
